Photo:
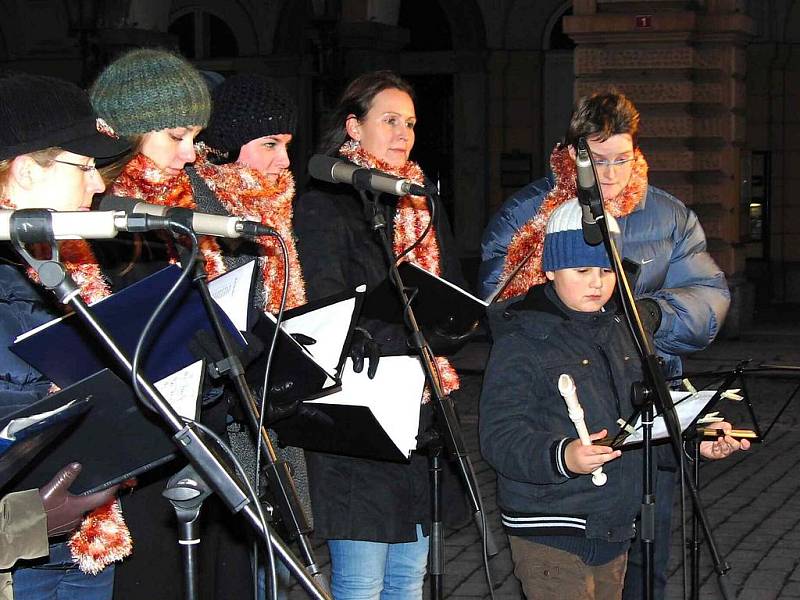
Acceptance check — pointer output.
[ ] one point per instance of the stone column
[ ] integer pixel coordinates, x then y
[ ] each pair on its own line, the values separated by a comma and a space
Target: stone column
684, 68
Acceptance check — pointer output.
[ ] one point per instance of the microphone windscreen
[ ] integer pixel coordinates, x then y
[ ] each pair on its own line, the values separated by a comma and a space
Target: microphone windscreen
117, 203
583, 165
321, 166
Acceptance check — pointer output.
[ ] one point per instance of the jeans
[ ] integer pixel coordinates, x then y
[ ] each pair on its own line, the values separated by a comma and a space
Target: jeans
60, 579
378, 571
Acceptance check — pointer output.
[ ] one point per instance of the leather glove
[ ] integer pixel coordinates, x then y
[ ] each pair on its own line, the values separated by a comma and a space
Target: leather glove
65, 510
362, 345
444, 340
650, 313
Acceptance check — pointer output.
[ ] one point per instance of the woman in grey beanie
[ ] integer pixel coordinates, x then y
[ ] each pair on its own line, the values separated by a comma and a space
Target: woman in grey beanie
160, 102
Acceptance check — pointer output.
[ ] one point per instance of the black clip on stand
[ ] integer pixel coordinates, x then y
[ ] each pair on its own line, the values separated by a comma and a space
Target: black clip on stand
277, 471
447, 420
37, 226
186, 491
654, 392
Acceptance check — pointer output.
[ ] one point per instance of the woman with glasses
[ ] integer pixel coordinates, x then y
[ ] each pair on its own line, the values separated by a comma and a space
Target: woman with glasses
50, 144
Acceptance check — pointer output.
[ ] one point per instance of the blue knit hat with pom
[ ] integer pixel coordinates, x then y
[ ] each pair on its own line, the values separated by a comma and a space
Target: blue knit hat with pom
564, 246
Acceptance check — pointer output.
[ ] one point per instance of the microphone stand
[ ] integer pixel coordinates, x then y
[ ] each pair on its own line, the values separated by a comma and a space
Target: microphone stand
203, 458
653, 392
447, 420
277, 471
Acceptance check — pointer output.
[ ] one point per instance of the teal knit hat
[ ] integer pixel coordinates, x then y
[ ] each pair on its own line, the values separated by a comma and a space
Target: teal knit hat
149, 90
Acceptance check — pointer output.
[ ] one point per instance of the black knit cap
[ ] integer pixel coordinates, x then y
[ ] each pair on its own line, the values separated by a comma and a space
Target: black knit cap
39, 112
246, 107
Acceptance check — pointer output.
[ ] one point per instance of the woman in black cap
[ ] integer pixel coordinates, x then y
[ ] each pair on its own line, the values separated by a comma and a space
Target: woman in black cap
51, 143
243, 159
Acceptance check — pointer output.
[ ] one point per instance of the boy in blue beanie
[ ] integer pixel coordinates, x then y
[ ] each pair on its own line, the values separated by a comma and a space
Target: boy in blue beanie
569, 537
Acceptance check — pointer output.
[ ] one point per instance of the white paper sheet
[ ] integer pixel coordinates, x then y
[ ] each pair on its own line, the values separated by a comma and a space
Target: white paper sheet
231, 291
687, 405
393, 396
181, 389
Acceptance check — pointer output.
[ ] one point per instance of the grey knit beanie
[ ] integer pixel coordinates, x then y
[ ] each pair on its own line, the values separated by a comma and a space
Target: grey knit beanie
148, 90
246, 107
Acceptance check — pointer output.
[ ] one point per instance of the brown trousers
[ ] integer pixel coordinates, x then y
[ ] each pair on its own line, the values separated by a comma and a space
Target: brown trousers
550, 574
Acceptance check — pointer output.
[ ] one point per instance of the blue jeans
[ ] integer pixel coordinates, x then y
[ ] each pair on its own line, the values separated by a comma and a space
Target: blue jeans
378, 571
60, 579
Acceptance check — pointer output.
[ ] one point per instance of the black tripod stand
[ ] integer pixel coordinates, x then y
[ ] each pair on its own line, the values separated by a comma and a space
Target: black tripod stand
448, 434
654, 393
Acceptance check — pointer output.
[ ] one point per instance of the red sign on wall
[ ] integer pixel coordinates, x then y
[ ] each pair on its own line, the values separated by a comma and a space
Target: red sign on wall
644, 21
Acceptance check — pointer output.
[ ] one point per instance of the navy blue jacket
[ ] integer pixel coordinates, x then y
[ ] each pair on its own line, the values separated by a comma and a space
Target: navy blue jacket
665, 238
525, 426
22, 307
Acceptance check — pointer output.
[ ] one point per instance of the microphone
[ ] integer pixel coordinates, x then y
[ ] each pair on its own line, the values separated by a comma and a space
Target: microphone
588, 193
199, 222
40, 224
333, 170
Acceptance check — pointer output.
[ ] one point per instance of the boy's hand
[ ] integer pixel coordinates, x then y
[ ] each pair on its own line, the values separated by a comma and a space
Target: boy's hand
724, 445
585, 459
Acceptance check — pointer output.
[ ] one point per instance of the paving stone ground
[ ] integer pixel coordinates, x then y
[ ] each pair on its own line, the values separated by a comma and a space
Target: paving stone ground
752, 499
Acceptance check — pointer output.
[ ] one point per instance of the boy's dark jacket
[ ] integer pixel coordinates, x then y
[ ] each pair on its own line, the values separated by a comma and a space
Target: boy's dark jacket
524, 420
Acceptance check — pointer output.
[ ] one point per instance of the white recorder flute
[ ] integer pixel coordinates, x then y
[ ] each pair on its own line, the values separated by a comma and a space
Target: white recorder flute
566, 386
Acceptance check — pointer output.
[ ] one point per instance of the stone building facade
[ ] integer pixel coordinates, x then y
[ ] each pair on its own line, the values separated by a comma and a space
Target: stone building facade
716, 81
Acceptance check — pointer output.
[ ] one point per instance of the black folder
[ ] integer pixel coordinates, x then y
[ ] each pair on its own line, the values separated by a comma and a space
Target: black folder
295, 375
437, 303
338, 429
17, 454
67, 352
345, 424
116, 440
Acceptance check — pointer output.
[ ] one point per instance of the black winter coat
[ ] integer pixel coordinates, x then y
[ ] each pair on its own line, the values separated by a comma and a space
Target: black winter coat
523, 418
353, 498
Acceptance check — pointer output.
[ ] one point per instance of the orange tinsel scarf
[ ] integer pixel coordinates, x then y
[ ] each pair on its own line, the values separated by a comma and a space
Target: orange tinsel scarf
410, 220
528, 242
245, 192
143, 180
103, 536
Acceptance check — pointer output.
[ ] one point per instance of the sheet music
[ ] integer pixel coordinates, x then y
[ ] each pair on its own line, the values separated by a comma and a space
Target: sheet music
393, 396
687, 405
329, 326
231, 291
182, 389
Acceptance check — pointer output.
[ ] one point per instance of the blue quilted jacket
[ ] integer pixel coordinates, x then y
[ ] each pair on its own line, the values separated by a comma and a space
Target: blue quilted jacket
665, 238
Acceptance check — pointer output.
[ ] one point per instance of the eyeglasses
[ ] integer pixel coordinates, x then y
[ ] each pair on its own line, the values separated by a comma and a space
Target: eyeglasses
604, 164
84, 168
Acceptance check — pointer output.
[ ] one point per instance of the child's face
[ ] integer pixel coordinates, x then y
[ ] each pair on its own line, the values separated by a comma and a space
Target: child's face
584, 289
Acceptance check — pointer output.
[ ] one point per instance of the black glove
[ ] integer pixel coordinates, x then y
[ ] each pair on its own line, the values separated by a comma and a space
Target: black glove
650, 313
445, 340
65, 510
362, 346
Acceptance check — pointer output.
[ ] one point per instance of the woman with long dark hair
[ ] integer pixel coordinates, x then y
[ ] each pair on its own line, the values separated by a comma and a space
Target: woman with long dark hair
374, 514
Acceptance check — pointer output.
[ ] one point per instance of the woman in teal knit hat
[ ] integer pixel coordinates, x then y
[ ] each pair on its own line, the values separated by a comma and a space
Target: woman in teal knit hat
161, 102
